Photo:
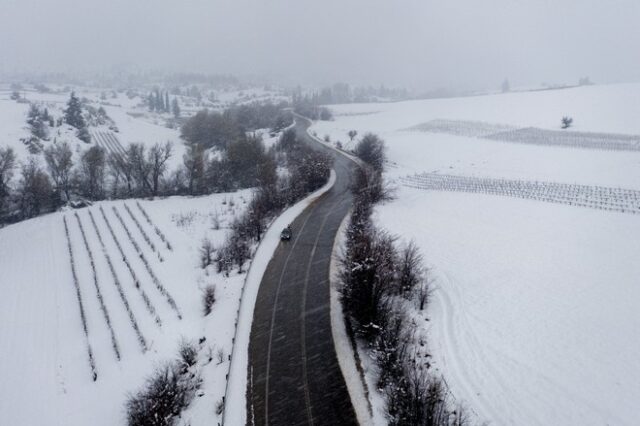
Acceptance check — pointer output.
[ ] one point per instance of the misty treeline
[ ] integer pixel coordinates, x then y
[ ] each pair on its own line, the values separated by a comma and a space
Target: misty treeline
211, 129
237, 159
379, 279
343, 93
158, 101
306, 171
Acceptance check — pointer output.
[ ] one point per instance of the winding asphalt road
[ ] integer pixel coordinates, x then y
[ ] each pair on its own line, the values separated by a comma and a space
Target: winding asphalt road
294, 376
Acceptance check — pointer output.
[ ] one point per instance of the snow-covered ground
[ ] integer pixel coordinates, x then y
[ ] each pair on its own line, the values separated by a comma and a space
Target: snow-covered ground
127, 109
45, 370
533, 319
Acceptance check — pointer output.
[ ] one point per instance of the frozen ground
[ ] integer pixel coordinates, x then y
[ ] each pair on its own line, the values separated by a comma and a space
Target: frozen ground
45, 366
596, 109
533, 319
131, 116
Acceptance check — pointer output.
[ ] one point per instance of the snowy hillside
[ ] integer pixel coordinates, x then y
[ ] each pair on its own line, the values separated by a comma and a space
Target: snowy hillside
532, 243
119, 310
134, 123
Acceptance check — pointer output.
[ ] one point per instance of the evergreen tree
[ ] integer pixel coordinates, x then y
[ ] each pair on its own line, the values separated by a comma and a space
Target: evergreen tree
84, 135
73, 113
175, 108
159, 101
167, 106
151, 101
36, 122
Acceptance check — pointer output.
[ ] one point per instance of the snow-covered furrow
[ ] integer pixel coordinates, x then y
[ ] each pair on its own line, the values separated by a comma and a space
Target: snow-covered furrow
136, 282
83, 317
157, 230
115, 144
99, 294
147, 265
116, 282
145, 237
596, 197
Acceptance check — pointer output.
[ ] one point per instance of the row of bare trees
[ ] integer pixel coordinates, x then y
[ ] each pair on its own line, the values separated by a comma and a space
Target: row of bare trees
308, 170
379, 280
44, 188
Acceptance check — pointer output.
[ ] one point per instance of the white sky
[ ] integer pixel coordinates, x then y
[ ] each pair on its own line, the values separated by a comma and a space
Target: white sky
420, 44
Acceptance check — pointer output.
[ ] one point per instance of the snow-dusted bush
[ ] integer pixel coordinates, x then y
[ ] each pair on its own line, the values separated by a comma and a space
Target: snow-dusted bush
371, 149
167, 392
208, 298
206, 253
188, 353
376, 279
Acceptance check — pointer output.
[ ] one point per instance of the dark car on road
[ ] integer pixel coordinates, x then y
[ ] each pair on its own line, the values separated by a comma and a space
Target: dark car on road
285, 235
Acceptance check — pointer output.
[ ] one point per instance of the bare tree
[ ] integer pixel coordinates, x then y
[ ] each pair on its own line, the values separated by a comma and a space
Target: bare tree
157, 159
206, 253
7, 165
92, 170
140, 168
59, 162
35, 189
371, 150
116, 168
424, 290
410, 272
352, 134
194, 167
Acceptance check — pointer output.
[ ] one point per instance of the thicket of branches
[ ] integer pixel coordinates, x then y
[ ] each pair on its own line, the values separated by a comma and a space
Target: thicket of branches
307, 169
310, 106
379, 279
168, 391
211, 129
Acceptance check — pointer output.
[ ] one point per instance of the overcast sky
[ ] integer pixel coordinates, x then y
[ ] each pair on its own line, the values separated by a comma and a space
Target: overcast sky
420, 44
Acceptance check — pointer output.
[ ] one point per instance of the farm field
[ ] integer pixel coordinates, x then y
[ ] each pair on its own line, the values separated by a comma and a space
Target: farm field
531, 242
96, 298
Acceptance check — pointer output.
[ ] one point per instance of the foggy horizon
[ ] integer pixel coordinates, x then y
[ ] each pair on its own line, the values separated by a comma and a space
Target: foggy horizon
418, 45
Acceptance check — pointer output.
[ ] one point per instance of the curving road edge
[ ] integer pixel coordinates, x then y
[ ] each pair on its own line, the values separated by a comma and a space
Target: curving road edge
235, 409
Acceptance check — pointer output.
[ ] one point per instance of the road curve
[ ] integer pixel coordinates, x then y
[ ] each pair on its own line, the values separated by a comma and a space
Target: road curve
294, 376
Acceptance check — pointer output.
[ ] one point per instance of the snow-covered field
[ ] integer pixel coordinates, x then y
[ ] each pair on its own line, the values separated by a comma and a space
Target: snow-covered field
45, 369
534, 316
128, 111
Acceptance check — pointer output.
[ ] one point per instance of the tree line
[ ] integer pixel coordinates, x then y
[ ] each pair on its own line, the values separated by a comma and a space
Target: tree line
158, 101
378, 279
211, 129
239, 160
308, 170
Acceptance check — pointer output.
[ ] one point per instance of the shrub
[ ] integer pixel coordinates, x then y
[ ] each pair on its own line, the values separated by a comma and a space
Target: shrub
188, 353
166, 393
208, 298
206, 253
371, 150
